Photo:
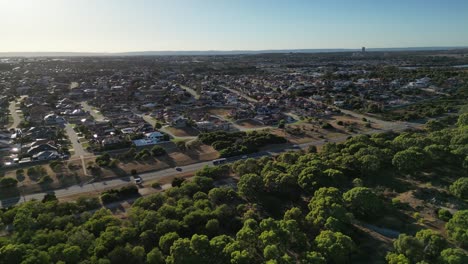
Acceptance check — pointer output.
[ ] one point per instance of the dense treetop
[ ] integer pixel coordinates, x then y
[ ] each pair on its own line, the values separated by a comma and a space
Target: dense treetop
294, 208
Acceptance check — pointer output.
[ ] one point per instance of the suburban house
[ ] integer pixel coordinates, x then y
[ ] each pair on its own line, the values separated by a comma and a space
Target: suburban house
53, 119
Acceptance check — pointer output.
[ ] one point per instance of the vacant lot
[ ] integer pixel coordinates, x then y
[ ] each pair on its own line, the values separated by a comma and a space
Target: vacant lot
183, 132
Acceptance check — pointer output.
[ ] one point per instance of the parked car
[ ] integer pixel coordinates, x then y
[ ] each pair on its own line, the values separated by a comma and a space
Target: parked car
178, 169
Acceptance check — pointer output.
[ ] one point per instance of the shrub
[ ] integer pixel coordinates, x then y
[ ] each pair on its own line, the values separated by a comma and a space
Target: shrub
88, 203
103, 160
8, 182
45, 179
177, 181
158, 151
156, 185
327, 126
49, 197
444, 215
115, 195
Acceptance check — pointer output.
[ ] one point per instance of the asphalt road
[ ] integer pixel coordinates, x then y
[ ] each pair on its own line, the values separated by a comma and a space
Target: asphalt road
16, 118
119, 182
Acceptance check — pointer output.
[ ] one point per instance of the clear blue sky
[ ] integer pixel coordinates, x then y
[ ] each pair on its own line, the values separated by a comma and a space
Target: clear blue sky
138, 25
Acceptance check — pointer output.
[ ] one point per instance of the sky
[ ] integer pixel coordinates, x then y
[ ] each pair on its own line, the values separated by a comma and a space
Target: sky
157, 25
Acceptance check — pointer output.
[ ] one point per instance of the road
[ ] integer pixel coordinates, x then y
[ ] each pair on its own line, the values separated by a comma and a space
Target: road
246, 97
149, 176
79, 151
95, 114
190, 91
16, 118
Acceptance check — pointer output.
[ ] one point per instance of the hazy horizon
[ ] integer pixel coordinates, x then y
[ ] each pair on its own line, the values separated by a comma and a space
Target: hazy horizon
182, 25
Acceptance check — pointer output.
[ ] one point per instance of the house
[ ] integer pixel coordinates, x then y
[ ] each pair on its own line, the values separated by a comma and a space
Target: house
53, 119
111, 141
152, 138
179, 121
46, 155
41, 148
156, 135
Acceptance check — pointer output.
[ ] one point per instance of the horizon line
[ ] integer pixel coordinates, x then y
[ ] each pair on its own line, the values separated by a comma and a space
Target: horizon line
240, 51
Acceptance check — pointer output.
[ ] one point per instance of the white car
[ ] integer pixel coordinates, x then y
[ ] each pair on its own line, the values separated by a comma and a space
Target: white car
138, 180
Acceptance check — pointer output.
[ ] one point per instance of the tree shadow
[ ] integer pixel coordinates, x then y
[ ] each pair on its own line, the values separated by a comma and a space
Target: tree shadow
12, 197
118, 171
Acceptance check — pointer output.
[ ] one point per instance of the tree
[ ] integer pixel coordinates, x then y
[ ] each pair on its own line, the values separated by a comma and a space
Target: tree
72, 254
271, 252
155, 257
12, 253
312, 178
177, 182
158, 151
460, 188
335, 246
457, 227
408, 161
433, 243
48, 197
250, 185
410, 247
166, 241
8, 182
327, 203
212, 226
462, 120
363, 203
369, 164
312, 149
453, 256
394, 258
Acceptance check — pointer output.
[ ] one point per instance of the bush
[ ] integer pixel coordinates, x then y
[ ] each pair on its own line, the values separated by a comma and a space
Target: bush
177, 181
143, 154
88, 203
8, 182
45, 179
327, 126
158, 151
444, 215
49, 197
103, 160
56, 165
156, 185
312, 149
115, 195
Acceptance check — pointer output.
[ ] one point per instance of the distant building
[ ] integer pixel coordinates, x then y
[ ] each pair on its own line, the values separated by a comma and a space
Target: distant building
363, 49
